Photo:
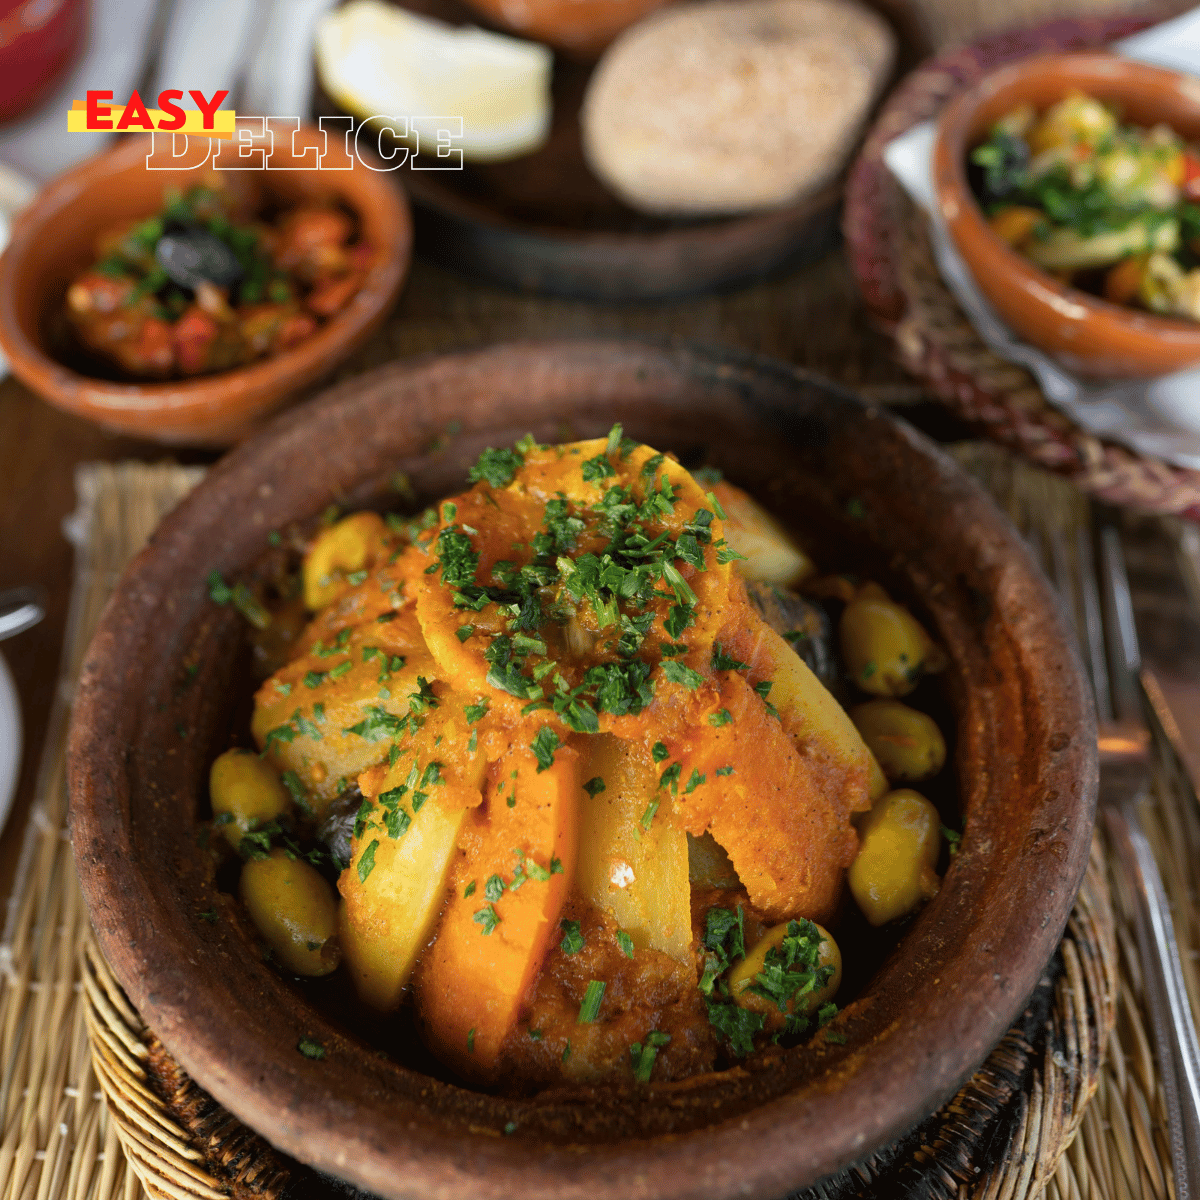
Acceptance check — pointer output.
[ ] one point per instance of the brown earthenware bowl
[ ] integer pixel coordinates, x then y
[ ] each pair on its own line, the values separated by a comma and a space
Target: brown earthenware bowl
858, 481
53, 241
1089, 335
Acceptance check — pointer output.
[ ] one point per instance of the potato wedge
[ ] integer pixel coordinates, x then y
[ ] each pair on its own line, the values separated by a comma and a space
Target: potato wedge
771, 555
634, 867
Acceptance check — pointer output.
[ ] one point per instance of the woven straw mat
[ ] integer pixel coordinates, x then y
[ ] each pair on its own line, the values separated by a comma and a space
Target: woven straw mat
93, 1108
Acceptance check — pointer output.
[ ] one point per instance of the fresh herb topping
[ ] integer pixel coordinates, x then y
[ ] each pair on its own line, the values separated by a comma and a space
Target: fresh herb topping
791, 972
953, 839
625, 942
496, 467
676, 672
572, 939
738, 1025
471, 1041
724, 940
589, 1010
469, 890
366, 863
721, 717
723, 771
594, 786
659, 752
641, 1057
311, 1048
544, 746
725, 662
764, 690
487, 919
494, 888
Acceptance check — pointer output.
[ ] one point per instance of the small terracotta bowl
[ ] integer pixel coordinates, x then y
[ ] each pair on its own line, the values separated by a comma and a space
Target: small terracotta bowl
862, 485
1088, 335
53, 241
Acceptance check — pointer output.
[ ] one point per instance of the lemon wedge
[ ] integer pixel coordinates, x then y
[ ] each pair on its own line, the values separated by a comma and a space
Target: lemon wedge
378, 60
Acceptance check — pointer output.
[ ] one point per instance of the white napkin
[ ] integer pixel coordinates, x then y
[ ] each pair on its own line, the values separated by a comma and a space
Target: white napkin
1159, 417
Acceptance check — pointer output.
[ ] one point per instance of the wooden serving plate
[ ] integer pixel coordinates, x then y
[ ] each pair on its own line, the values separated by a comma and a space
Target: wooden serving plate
855, 481
545, 223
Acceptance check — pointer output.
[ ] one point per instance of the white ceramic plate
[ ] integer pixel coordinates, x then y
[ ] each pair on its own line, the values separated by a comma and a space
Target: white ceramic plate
10, 740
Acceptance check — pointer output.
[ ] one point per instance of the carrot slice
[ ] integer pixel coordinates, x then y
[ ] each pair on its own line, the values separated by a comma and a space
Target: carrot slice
515, 865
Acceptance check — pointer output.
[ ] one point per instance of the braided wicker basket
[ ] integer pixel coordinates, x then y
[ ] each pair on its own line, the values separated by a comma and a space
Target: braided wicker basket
892, 258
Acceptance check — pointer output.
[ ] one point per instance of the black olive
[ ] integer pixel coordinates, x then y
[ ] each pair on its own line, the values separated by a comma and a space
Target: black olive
195, 257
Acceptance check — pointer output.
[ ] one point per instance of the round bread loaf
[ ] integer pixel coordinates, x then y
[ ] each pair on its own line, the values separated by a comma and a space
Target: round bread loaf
730, 106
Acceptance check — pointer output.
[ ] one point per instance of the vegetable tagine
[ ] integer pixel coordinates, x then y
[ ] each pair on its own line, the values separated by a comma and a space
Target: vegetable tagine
206, 285
1105, 206
566, 749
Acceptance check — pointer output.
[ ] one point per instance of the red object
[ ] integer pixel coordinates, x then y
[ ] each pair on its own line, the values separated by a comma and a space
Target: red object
39, 40
1191, 176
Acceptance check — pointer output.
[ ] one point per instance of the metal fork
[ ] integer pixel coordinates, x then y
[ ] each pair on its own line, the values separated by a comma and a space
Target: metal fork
1100, 608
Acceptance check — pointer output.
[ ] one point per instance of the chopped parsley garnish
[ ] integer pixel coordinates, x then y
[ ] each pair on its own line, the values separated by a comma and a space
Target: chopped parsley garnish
676, 672
366, 863
625, 942
209, 915
791, 972
764, 690
723, 771
219, 592
868, 670
471, 1040
313, 679
458, 558
356, 577
597, 469
494, 888
469, 890
836, 1039
738, 1025
544, 746
648, 816
463, 632
476, 712
496, 467
659, 752
589, 1010
670, 778
694, 781
299, 793
487, 919
641, 1057
724, 940
566, 1054
310, 1048
725, 662
378, 724
953, 839
572, 939
594, 786
721, 717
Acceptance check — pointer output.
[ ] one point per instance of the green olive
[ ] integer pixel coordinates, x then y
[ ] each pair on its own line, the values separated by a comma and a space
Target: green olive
294, 909
745, 974
907, 743
336, 552
898, 846
883, 645
245, 792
